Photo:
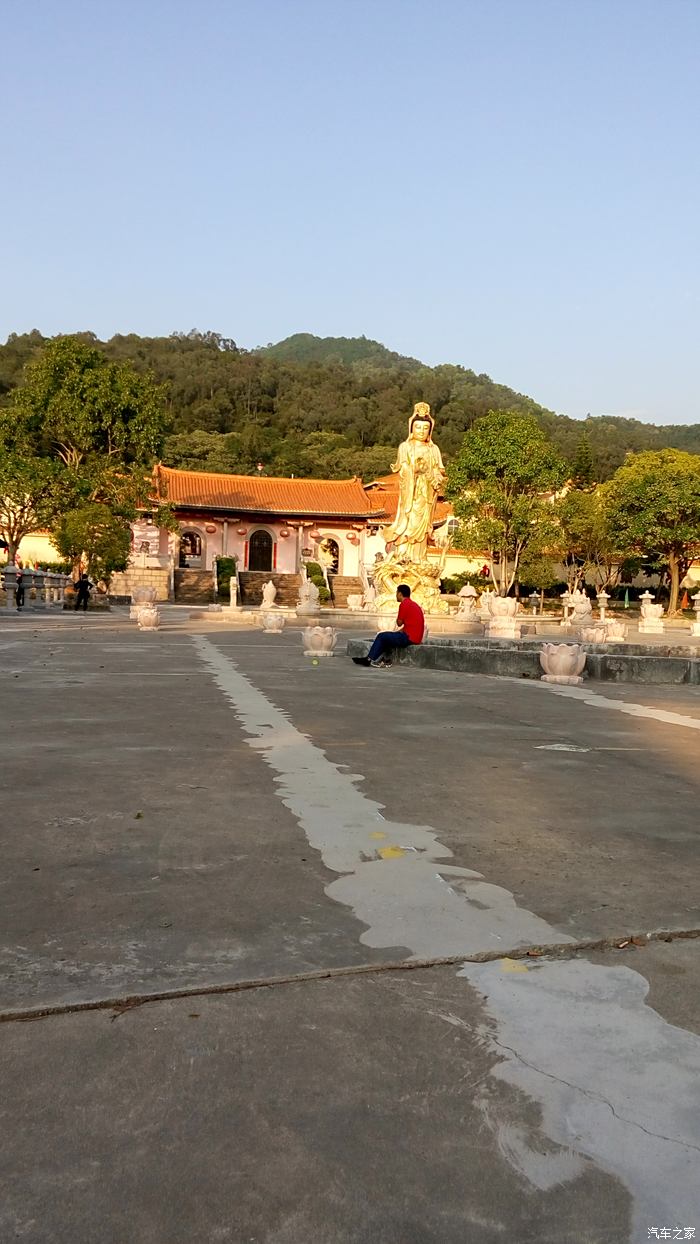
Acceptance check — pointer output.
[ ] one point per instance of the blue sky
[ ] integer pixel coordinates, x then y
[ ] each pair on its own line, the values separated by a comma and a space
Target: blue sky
512, 185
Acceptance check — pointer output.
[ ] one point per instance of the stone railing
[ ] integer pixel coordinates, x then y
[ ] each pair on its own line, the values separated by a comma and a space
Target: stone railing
41, 587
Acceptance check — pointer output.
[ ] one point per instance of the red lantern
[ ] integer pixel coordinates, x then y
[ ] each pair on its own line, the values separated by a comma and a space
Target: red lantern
353, 537
284, 533
242, 531
314, 534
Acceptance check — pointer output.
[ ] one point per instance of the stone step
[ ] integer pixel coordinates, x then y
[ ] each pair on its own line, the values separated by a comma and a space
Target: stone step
343, 586
251, 585
194, 587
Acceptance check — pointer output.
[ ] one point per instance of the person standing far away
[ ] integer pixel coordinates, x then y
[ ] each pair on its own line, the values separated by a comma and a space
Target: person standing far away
410, 628
82, 592
19, 590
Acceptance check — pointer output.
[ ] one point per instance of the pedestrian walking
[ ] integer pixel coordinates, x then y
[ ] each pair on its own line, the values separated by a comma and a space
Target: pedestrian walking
19, 590
83, 589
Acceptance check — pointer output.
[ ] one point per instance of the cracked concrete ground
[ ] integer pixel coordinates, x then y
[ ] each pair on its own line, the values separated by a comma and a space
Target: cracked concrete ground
191, 810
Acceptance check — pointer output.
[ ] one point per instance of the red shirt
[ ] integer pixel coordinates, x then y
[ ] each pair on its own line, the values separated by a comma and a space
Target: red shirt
411, 615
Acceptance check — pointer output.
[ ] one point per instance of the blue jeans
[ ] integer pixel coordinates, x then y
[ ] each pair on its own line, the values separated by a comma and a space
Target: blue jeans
385, 641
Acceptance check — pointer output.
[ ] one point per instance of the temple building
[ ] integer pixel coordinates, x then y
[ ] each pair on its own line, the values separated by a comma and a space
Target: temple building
271, 526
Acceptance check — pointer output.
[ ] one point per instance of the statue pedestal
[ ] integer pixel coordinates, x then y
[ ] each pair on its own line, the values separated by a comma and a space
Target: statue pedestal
423, 578
651, 626
504, 628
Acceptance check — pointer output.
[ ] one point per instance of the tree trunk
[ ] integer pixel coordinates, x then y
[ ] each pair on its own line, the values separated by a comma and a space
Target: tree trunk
674, 572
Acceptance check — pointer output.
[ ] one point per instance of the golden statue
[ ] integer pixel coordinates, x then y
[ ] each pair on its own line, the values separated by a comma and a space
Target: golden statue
421, 475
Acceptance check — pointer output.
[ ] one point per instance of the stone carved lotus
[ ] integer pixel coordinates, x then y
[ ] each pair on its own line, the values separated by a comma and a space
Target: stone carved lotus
562, 663
355, 601
501, 606
319, 641
651, 610
272, 623
140, 596
616, 630
594, 634
148, 618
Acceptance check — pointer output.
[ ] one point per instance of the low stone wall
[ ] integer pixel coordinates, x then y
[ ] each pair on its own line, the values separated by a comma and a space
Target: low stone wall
123, 584
520, 659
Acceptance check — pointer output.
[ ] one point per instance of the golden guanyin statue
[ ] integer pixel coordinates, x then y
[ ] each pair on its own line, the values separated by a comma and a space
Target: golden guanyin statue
421, 476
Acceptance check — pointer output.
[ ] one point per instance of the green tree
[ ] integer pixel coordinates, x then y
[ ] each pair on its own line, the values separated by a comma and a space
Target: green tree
96, 538
29, 494
499, 482
538, 570
653, 506
102, 421
583, 471
587, 544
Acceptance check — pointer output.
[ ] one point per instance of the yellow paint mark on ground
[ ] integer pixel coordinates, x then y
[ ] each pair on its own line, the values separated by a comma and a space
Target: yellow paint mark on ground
512, 965
377, 835
391, 853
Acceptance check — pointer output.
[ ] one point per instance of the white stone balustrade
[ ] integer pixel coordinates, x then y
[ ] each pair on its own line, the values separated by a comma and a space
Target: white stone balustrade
695, 626
42, 588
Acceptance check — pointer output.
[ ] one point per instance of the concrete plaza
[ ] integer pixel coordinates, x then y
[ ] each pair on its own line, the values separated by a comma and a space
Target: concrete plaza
301, 953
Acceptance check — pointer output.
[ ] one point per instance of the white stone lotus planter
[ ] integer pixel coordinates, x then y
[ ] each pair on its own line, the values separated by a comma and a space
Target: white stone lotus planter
594, 634
139, 597
148, 618
355, 602
562, 663
616, 631
272, 623
319, 641
503, 623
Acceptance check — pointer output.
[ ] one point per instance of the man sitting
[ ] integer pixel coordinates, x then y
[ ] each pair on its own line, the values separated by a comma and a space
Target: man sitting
410, 626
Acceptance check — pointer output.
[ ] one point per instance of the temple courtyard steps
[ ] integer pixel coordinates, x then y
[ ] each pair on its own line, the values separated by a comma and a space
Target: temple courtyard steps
251, 585
343, 586
194, 587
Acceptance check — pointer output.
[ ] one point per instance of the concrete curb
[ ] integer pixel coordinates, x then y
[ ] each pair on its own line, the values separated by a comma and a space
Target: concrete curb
520, 659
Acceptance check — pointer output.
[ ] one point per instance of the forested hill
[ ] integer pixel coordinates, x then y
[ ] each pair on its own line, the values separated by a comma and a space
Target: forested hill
358, 352
330, 406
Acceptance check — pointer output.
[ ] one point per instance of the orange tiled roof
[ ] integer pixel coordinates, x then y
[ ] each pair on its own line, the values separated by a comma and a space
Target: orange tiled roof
264, 494
390, 502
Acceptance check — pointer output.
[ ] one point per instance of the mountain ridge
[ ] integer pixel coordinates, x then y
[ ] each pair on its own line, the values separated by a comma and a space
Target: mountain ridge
328, 407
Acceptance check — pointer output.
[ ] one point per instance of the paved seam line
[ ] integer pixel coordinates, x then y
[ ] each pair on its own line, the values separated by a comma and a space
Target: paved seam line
562, 950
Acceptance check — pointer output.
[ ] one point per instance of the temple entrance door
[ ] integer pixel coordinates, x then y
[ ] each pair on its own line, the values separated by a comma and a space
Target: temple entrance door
190, 551
330, 555
260, 551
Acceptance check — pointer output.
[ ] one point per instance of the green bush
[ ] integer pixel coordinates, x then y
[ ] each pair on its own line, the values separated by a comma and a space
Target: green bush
56, 567
315, 574
225, 571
